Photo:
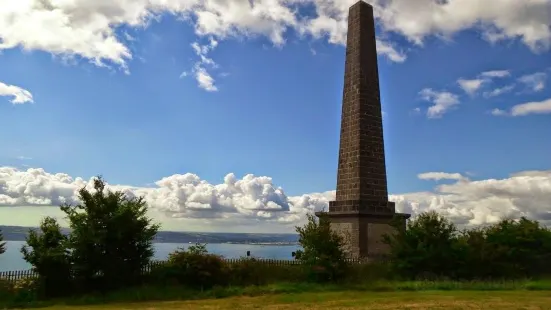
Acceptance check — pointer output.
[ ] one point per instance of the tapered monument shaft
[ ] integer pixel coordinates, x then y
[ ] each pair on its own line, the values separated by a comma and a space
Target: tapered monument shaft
362, 172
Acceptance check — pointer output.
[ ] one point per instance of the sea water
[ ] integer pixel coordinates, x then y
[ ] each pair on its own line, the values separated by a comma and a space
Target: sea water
13, 260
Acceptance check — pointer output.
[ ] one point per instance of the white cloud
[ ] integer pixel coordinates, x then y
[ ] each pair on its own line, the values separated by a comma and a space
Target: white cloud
437, 176
442, 101
205, 80
18, 94
535, 81
495, 74
257, 201
541, 107
523, 109
527, 20
470, 86
387, 49
498, 112
499, 91
175, 196
199, 70
87, 29
531, 173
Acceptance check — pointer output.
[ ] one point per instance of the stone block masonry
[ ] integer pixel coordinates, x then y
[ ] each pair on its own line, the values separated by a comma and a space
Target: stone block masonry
361, 208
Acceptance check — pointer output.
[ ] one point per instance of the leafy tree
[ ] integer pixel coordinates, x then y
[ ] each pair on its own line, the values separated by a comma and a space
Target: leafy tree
111, 237
323, 249
2, 244
48, 254
428, 247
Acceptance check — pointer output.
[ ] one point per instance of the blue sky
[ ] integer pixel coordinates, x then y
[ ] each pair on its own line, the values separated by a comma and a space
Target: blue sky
275, 109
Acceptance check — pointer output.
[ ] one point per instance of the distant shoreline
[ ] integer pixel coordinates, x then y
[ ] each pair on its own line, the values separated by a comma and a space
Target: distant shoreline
190, 243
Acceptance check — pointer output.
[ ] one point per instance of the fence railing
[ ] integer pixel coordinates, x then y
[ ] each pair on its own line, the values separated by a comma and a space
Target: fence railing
13, 276
17, 275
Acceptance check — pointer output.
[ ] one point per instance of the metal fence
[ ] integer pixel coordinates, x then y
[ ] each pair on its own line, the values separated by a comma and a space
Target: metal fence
17, 275
13, 276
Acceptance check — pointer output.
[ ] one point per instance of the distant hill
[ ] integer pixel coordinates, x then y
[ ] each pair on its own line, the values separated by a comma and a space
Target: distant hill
18, 233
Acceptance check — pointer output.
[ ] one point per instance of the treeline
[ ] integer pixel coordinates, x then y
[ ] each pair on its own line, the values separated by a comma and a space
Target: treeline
434, 248
111, 242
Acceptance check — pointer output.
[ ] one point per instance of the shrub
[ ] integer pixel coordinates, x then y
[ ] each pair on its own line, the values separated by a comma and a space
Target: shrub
111, 237
6, 290
195, 268
427, 248
323, 249
368, 272
18, 294
250, 271
48, 254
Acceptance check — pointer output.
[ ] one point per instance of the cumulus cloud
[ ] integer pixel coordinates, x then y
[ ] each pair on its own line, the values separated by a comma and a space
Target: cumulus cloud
88, 29
255, 198
524, 109
176, 196
527, 20
442, 101
18, 95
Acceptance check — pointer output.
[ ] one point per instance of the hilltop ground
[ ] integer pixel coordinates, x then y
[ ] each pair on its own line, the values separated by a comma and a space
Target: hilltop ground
502, 300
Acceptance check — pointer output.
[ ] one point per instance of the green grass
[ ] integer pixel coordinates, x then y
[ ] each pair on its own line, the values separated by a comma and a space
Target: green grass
176, 293
502, 300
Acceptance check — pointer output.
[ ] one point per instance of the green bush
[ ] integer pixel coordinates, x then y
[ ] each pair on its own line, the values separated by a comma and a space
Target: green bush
427, 249
6, 290
194, 267
366, 273
250, 271
323, 250
20, 293
47, 253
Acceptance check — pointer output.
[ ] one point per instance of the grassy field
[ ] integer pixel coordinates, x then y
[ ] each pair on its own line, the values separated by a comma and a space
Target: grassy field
354, 300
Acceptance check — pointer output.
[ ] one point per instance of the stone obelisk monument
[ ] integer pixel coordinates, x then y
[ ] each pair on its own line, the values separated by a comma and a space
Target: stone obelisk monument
361, 209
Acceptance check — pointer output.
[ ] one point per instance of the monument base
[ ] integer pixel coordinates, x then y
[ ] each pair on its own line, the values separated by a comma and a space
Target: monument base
364, 227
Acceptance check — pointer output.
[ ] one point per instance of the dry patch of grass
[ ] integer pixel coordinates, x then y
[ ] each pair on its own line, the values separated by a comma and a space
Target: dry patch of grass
531, 300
